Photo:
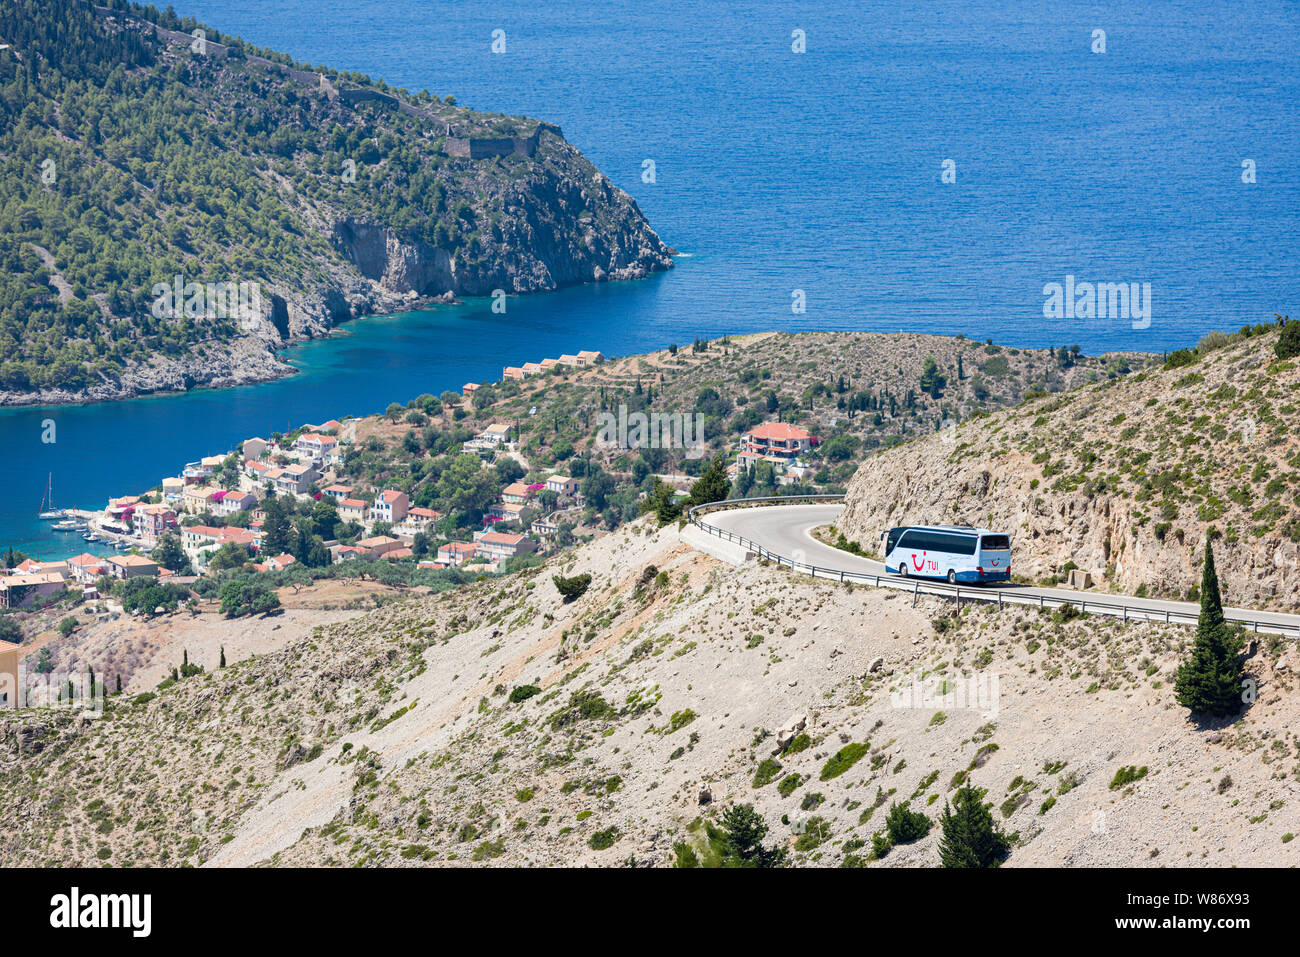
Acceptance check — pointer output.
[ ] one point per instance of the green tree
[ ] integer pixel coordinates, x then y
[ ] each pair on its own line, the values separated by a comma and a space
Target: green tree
712, 486
465, 486
169, 554
1288, 343
1208, 682
230, 555
10, 630
970, 836
932, 383
325, 518
277, 530
662, 500
744, 830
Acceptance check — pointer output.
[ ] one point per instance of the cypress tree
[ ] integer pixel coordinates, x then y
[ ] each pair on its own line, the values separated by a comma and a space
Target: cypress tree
970, 837
1208, 682
223, 656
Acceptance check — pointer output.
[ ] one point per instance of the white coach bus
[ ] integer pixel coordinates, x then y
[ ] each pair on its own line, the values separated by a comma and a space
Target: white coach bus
958, 553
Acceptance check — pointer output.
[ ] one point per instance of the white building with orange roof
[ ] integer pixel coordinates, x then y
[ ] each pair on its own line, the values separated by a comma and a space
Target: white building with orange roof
777, 442
498, 546
456, 553
354, 510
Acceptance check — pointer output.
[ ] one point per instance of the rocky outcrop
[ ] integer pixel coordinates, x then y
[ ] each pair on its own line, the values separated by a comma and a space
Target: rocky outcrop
1123, 480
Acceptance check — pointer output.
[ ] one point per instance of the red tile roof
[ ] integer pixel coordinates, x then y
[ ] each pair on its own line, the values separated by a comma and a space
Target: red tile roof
779, 430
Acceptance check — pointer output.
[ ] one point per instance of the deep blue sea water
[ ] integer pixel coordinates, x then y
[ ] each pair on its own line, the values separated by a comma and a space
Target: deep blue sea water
778, 171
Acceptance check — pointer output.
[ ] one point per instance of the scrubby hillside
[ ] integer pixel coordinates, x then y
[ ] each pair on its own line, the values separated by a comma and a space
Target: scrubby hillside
497, 724
132, 153
1123, 478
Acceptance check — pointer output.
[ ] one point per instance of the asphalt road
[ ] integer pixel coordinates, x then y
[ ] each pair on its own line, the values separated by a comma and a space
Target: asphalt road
786, 530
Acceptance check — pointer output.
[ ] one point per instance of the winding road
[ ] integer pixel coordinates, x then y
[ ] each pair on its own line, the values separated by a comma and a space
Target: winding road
786, 530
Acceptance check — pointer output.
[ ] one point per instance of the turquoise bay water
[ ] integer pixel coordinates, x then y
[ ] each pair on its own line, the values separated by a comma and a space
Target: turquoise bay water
778, 171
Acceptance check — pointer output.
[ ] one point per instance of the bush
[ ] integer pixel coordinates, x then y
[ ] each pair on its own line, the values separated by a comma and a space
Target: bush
1127, 776
906, 826
1288, 343
572, 588
603, 839
843, 759
767, 772
523, 693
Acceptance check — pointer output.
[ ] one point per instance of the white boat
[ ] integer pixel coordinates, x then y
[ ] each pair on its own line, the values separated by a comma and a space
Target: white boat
47, 503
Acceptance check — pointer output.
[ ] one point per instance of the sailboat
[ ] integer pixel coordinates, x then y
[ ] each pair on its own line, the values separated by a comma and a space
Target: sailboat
47, 504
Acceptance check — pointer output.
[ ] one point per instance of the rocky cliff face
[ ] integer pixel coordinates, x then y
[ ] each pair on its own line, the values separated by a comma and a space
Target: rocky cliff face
1124, 479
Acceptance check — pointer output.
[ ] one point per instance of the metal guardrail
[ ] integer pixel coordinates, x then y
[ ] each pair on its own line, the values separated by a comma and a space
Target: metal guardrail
916, 586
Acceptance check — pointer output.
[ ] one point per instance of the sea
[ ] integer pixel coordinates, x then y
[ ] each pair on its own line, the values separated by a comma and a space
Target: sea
888, 167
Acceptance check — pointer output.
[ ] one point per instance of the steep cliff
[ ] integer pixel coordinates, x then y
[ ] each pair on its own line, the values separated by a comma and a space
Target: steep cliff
1125, 479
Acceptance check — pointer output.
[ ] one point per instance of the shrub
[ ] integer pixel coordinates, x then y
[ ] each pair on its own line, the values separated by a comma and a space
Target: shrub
843, 759
572, 588
1288, 343
767, 772
1127, 776
523, 693
603, 839
906, 826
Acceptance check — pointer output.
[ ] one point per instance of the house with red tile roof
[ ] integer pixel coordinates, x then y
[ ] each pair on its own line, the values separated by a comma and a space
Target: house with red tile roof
86, 567
278, 563
379, 545
498, 546
777, 442
516, 493
390, 506
457, 553
131, 566
354, 510
23, 591
337, 492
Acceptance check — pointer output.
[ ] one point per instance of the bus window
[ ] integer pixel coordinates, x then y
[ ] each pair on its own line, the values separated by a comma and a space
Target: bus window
995, 543
892, 539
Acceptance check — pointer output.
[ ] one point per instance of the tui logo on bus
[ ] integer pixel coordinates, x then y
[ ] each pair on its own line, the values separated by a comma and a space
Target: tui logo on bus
925, 564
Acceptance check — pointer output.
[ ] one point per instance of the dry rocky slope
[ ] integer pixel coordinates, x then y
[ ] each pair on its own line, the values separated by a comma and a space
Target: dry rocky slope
392, 738
1123, 478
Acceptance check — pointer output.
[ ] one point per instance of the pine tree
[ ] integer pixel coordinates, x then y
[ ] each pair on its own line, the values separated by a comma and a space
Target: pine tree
712, 486
743, 831
970, 838
1208, 682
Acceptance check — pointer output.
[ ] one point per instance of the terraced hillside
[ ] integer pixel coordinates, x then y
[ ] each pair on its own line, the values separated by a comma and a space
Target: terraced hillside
1123, 478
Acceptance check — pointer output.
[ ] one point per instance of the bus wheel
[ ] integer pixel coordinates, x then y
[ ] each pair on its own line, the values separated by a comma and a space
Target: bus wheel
952, 577
902, 570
